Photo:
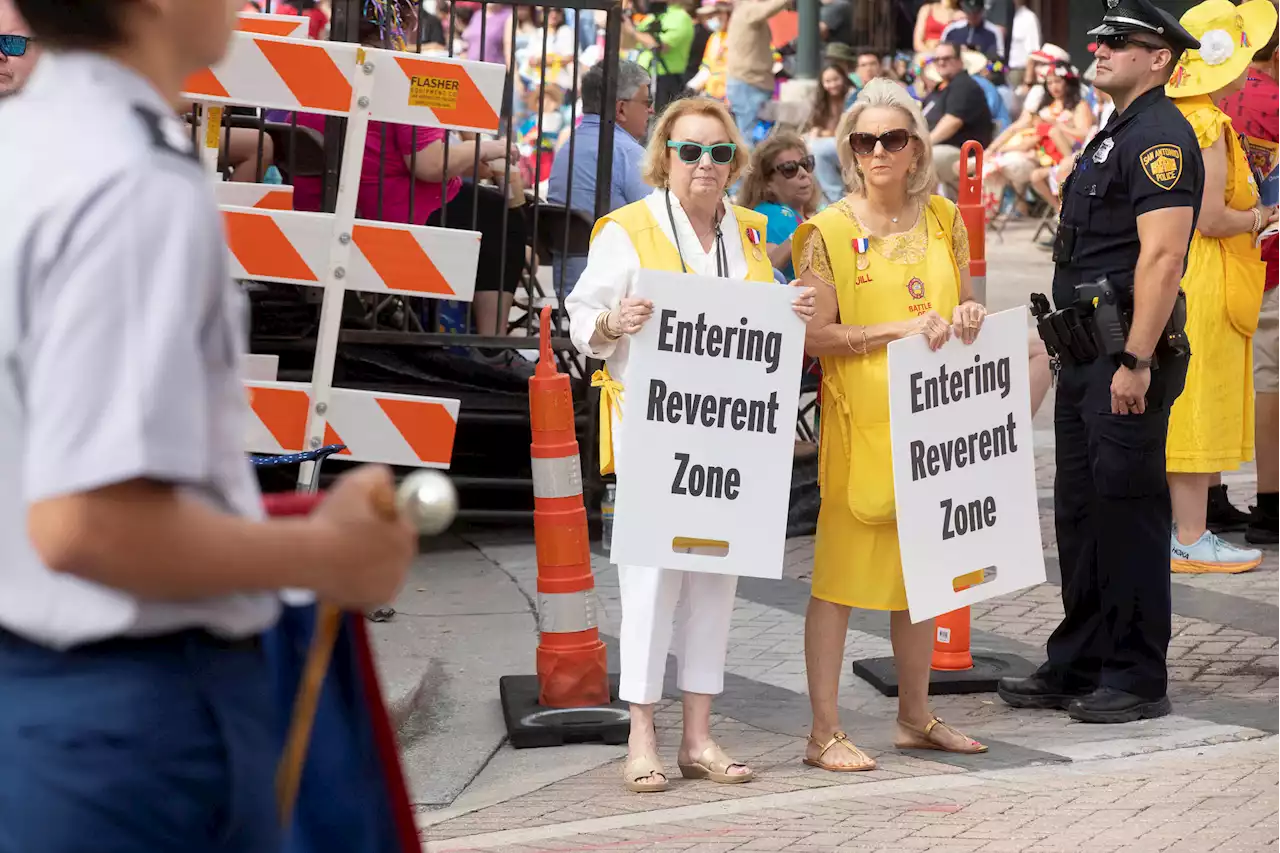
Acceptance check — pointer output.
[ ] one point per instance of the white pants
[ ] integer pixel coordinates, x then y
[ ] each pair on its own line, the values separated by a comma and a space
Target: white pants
697, 606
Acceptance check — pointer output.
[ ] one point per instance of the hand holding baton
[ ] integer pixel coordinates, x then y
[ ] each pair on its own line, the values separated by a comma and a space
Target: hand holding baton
428, 501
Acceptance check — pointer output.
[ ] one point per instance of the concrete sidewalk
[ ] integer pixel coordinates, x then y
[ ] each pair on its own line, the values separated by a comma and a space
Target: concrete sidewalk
1204, 778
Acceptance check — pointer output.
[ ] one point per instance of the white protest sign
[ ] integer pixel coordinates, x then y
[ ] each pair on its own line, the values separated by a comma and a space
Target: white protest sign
964, 473
707, 433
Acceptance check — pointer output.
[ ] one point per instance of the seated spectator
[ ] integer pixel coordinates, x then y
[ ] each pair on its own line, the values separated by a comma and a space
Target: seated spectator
844, 57
975, 65
780, 185
975, 31
868, 68
932, 21
995, 72
1047, 181
632, 109
1031, 88
1043, 136
830, 100
18, 50
956, 111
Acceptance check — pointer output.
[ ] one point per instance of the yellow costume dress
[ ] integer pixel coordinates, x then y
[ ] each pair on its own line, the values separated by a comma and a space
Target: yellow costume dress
899, 277
1211, 424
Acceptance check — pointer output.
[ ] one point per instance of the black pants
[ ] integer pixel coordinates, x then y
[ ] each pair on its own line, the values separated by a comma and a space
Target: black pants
1113, 520
501, 258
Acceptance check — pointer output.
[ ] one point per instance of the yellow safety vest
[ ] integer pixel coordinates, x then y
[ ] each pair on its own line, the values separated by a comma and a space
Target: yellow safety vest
659, 253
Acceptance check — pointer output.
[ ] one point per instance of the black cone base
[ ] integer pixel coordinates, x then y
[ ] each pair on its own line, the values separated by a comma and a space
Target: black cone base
531, 725
988, 669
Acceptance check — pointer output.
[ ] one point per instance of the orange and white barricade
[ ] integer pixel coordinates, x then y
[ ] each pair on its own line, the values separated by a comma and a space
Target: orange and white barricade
269, 241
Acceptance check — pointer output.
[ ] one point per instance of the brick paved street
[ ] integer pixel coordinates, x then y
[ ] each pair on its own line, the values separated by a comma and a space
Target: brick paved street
1201, 779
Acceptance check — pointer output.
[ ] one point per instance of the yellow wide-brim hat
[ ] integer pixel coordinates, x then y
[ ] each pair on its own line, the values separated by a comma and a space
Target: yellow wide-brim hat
1229, 36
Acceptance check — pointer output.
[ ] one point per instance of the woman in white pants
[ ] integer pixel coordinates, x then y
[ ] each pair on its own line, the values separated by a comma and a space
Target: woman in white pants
694, 154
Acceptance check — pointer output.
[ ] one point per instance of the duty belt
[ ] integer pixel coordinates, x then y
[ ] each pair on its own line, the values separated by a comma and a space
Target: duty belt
1096, 324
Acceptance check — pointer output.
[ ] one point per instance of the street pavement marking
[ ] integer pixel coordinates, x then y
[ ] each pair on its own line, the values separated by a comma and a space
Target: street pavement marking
838, 793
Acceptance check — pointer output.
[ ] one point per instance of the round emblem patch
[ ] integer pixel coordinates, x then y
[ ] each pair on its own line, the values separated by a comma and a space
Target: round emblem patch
916, 288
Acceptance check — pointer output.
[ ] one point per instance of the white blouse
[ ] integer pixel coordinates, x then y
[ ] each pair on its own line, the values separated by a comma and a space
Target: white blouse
613, 266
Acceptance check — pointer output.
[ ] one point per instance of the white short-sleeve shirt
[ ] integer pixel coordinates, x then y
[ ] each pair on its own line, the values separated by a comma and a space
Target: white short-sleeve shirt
120, 337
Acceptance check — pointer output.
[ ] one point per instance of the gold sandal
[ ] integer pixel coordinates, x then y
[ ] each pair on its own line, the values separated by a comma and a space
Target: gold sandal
713, 764
637, 774
927, 741
866, 761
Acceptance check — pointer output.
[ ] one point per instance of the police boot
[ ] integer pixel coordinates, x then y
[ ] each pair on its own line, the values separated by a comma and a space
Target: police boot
1041, 690
1222, 517
1265, 522
1109, 705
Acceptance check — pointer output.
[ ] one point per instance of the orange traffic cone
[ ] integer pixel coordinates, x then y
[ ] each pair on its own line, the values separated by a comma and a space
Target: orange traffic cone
951, 642
572, 665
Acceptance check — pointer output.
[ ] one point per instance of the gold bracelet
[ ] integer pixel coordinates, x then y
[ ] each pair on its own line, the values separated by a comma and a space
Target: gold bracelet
602, 326
848, 339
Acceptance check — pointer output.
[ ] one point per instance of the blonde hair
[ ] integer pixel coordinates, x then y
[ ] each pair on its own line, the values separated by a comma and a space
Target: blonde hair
887, 93
656, 170
755, 187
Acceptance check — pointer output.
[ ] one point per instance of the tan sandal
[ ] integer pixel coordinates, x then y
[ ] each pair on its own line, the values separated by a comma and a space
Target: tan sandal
713, 764
925, 739
637, 773
866, 762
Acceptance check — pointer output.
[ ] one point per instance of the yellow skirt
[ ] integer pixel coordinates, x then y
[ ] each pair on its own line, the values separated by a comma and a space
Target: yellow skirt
1211, 423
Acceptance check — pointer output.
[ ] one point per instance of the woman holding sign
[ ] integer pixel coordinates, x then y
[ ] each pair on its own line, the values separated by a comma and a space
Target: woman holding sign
888, 261
695, 152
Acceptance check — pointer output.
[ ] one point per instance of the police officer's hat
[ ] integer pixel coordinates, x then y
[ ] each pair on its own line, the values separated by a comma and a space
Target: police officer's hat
1143, 16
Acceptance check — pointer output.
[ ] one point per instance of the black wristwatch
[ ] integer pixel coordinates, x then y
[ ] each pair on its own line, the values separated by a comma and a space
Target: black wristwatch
1132, 362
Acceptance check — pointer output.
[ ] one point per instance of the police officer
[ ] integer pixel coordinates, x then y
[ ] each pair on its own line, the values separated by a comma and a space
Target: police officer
135, 570
1128, 213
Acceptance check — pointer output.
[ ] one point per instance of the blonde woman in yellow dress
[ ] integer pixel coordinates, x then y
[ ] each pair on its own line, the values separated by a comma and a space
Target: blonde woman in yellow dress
686, 225
1211, 424
909, 277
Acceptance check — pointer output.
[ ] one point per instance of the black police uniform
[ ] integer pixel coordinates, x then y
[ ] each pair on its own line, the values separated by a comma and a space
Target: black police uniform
1111, 501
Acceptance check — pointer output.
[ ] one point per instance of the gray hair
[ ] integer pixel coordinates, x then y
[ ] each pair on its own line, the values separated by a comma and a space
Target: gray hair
631, 79
882, 92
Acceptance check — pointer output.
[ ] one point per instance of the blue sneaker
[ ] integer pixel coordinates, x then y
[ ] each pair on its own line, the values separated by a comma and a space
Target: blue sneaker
1211, 554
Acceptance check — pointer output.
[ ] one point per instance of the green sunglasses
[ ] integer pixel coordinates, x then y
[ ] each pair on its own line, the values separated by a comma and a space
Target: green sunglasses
691, 152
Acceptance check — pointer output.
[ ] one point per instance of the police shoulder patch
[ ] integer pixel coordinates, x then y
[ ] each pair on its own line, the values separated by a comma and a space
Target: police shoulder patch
1162, 164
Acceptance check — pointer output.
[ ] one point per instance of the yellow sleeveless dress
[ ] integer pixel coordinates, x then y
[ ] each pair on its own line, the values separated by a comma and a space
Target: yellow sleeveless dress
656, 252
856, 560
1211, 424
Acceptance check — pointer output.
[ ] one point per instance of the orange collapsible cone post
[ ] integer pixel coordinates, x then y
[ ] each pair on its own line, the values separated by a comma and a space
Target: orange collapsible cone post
975, 216
572, 665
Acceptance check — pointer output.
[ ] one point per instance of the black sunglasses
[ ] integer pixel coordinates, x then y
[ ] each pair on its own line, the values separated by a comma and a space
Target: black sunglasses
791, 168
14, 45
691, 152
1119, 41
864, 144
